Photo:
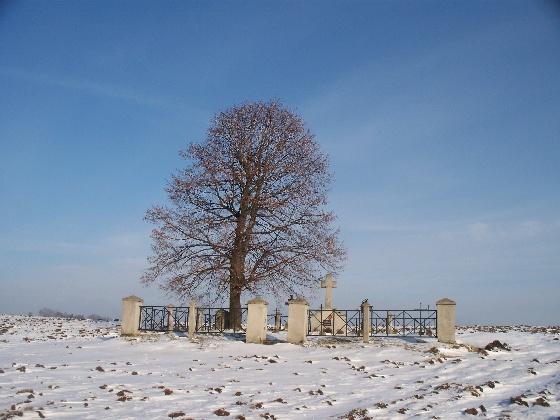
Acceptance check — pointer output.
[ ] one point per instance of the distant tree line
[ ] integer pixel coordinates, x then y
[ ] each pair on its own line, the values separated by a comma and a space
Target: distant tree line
54, 313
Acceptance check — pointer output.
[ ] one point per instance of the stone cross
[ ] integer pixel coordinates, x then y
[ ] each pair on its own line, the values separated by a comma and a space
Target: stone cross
328, 284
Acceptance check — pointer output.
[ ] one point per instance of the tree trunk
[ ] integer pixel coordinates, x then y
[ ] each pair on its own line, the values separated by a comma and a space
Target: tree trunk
235, 307
237, 271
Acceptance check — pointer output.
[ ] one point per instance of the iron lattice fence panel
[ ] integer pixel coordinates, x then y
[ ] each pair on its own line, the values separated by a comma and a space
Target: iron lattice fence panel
396, 323
339, 322
349, 323
413, 322
219, 320
154, 318
181, 318
208, 320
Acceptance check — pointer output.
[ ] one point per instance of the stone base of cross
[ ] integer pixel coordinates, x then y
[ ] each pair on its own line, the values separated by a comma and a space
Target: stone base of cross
328, 284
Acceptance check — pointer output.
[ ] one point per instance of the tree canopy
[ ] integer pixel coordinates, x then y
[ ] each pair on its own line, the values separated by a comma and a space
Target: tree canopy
247, 213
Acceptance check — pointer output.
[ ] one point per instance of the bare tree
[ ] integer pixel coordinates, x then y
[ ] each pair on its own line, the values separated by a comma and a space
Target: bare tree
247, 214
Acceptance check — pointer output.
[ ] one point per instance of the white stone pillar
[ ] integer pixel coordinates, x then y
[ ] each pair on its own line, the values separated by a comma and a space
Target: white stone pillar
192, 319
170, 321
297, 320
446, 320
257, 310
367, 320
130, 320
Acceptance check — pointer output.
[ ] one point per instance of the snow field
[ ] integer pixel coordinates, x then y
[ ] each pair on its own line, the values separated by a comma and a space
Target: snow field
58, 368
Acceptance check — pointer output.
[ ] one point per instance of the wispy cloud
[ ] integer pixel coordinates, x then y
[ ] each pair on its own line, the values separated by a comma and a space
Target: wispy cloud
105, 90
109, 245
477, 231
519, 230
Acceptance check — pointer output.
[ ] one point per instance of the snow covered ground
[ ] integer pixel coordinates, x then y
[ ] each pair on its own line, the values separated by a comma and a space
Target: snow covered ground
57, 368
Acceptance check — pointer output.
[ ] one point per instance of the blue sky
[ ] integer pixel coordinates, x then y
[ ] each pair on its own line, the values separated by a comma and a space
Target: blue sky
441, 120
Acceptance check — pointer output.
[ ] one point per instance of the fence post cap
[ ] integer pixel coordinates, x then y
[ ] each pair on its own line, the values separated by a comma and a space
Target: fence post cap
299, 301
445, 301
133, 298
257, 301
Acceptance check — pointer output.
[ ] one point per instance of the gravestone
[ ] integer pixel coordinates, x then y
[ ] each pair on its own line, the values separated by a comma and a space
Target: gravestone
192, 319
201, 323
328, 320
328, 284
222, 319
391, 325
277, 320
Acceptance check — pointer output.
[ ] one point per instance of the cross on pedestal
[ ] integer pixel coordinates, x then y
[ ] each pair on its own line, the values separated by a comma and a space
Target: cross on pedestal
328, 284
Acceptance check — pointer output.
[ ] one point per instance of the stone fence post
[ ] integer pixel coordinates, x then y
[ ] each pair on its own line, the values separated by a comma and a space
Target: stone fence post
297, 321
366, 328
130, 320
170, 321
257, 310
192, 319
446, 320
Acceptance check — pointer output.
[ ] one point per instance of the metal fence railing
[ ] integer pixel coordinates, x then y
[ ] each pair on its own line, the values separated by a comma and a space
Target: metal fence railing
411, 322
335, 322
220, 320
181, 318
383, 322
208, 320
154, 318
322, 321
